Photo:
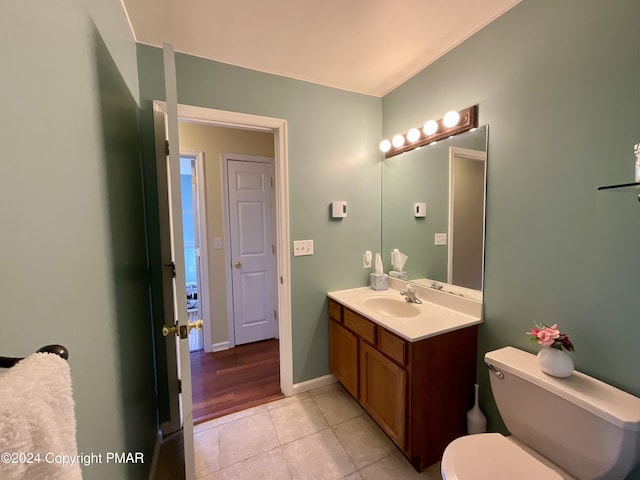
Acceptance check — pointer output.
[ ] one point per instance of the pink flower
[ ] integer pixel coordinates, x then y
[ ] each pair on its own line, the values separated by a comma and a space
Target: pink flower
550, 337
547, 335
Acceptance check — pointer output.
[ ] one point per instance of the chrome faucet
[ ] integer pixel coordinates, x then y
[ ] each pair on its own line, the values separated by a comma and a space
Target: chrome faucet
410, 295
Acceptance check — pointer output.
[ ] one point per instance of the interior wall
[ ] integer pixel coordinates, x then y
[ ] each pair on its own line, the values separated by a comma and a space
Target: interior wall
558, 84
72, 249
332, 155
214, 142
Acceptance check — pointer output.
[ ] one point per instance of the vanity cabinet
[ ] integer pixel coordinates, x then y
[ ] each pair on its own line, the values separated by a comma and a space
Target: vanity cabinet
418, 392
343, 355
383, 387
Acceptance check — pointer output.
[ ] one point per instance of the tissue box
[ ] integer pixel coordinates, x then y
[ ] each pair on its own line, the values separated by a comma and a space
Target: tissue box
379, 281
400, 275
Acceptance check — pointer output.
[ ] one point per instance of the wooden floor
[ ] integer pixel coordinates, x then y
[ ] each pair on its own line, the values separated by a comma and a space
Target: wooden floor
235, 379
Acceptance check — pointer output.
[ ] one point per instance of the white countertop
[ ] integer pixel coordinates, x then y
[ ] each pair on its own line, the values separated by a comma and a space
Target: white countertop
436, 315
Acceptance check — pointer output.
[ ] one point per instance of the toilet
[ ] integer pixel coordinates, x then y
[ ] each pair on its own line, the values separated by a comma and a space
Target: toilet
560, 428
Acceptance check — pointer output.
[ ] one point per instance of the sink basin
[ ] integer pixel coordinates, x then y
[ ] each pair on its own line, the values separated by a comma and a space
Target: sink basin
392, 307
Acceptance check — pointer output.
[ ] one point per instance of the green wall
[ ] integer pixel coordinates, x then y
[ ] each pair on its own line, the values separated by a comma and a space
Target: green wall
557, 82
73, 249
333, 137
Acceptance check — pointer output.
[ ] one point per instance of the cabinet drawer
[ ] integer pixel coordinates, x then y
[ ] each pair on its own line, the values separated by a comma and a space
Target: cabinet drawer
335, 311
392, 346
360, 325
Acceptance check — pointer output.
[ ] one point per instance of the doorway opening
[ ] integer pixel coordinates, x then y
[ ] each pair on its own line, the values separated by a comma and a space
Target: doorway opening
195, 251
233, 370
467, 180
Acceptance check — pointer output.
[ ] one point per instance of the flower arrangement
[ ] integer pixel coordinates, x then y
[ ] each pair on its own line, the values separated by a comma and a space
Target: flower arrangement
550, 337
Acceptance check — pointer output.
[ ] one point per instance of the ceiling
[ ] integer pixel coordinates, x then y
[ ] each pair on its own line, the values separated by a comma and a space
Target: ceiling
365, 46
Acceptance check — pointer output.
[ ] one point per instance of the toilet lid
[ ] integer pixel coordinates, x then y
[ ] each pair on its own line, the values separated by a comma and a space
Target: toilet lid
491, 456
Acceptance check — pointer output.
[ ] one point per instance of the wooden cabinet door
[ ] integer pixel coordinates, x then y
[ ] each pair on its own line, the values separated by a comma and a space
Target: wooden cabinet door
343, 356
383, 386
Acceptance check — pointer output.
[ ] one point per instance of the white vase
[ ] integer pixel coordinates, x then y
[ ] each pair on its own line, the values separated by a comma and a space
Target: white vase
554, 362
476, 421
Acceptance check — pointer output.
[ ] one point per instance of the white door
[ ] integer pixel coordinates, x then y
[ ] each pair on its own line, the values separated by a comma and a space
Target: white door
172, 246
252, 249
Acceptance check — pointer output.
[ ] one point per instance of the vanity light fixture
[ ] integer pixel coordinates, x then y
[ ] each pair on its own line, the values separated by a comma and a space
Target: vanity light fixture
430, 127
451, 119
451, 124
397, 141
413, 135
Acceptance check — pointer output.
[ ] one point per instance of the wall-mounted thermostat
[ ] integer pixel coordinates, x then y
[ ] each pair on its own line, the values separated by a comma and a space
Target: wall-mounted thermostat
339, 209
419, 210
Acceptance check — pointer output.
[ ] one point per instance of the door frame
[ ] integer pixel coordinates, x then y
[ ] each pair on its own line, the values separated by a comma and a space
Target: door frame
205, 306
277, 126
479, 155
227, 234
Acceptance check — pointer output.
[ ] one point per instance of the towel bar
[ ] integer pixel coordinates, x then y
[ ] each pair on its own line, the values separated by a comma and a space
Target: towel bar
8, 362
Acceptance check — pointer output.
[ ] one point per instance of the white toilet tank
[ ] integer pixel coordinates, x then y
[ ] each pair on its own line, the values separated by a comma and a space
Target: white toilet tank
588, 428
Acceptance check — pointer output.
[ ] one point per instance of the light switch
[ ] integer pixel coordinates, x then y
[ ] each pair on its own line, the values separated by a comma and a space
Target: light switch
217, 242
302, 247
440, 239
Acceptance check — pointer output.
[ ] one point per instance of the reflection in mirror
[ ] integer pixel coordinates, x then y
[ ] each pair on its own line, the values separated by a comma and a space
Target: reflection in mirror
450, 177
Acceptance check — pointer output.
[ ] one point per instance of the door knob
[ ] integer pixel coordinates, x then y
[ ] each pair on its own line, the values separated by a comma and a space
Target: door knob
183, 331
237, 264
198, 324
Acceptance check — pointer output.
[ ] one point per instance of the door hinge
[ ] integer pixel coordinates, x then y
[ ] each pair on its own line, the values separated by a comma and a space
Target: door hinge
275, 315
271, 179
281, 280
193, 180
166, 147
172, 266
179, 386
273, 249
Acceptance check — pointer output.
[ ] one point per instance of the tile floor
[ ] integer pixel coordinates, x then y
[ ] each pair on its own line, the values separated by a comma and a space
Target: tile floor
317, 435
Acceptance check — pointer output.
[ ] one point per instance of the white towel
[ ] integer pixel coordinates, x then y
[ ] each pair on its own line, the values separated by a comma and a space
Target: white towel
37, 417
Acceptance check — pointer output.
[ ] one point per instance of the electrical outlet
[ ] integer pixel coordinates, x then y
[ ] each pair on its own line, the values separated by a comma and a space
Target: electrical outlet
302, 247
366, 259
440, 239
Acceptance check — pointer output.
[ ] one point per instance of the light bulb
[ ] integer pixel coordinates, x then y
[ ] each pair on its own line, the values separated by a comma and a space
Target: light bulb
398, 141
430, 127
451, 119
413, 135
385, 146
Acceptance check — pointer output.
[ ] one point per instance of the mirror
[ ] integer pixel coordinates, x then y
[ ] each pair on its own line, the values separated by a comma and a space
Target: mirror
450, 178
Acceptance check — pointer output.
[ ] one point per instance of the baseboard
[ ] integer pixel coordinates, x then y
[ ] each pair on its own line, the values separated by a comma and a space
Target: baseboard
313, 383
218, 347
156, 455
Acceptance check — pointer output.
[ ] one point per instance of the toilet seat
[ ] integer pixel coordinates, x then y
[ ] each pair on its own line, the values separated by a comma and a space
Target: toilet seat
492, 456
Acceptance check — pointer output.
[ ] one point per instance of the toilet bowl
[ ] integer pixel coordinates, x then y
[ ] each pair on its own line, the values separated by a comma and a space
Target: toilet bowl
492, 456
561, 429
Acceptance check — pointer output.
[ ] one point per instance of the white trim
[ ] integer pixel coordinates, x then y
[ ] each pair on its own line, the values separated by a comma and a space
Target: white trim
231, 326
473, 155
204, 300
156, 455
219, 347
313, 383
278, 127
